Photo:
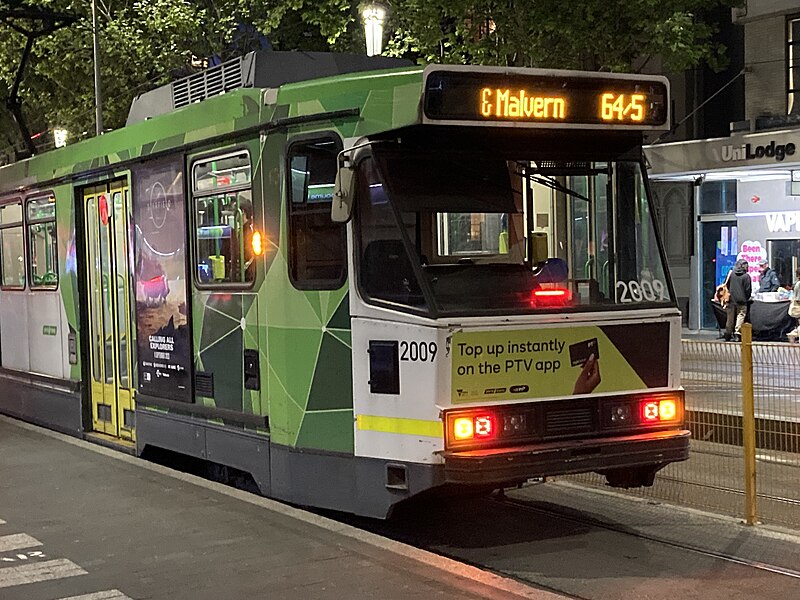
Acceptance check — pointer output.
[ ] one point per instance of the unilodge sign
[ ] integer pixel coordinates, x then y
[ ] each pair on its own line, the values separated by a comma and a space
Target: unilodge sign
749, 151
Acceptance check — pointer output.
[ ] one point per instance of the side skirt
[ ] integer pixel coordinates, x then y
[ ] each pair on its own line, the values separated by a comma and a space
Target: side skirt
365, 486
238, 448
46, 401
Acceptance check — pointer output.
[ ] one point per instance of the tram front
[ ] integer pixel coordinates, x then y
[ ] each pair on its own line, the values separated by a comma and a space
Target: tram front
512, 314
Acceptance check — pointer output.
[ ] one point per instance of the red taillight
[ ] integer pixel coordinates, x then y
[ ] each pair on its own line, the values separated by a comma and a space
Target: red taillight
484, 426
650, 411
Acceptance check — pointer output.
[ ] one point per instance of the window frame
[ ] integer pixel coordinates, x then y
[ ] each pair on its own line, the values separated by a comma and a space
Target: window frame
194, 194
315, 284
3, 226
28, 222
792, 93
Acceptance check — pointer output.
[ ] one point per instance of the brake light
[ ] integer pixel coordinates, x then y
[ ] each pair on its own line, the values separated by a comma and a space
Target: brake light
484, 426
650, 411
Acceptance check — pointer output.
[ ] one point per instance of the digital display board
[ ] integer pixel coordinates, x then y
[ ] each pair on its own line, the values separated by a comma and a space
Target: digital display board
569, 99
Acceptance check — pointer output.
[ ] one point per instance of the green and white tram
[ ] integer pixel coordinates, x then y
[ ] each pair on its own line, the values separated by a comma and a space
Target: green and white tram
355, 279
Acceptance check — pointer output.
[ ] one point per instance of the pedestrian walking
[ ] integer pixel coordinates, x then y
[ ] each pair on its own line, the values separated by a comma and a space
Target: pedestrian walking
741, 288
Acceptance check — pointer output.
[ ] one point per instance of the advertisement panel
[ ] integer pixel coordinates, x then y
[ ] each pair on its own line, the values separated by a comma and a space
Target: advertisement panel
162, 329
551, 362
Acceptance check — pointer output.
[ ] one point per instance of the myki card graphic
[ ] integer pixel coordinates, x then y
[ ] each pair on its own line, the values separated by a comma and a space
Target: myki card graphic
579, 353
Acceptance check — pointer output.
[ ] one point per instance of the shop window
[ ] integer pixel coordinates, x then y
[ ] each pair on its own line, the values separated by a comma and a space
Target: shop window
784, 257
42, 242
718, 197
793, 65
317, 245
224, 220
12, 247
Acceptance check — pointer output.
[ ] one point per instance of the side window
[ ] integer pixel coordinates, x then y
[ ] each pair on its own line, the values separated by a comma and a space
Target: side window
42, 242
317, 245
12, 247
223, 218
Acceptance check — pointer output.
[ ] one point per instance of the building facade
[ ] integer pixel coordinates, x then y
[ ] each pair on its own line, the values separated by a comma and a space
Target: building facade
737, 195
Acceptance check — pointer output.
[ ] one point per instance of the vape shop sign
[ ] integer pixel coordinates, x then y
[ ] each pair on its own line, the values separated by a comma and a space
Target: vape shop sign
783, 221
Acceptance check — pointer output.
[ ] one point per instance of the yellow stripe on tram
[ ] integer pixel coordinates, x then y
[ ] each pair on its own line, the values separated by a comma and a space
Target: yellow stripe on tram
399, 425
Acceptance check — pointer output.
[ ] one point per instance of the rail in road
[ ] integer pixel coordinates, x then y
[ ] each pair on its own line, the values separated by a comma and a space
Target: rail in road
595, 545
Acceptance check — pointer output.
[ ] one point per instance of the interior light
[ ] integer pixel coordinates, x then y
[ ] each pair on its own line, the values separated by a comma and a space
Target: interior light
484, 426
463, 428
650, 411
551, 293
550, 297
667, 410
258, 248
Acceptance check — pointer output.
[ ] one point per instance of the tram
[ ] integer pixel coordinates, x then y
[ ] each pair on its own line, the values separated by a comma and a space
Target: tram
355, 279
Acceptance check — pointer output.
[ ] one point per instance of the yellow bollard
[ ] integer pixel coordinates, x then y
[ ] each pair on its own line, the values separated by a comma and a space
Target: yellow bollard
748, 425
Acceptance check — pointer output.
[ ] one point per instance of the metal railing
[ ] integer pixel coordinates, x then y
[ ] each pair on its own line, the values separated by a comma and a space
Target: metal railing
720, 415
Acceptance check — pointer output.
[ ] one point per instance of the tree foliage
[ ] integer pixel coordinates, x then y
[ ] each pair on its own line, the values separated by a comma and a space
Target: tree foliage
145, 43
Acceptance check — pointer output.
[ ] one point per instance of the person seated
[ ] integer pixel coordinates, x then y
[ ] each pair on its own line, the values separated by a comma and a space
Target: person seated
769, 281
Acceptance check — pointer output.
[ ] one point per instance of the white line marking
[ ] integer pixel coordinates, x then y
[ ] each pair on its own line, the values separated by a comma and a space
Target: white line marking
107, 595
2, 522
44, 571
17, 541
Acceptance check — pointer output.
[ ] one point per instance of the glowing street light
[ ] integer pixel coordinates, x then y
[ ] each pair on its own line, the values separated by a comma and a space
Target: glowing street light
373, 16
60, 136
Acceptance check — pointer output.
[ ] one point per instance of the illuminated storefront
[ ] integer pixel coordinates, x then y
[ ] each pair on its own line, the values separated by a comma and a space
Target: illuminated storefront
743, 199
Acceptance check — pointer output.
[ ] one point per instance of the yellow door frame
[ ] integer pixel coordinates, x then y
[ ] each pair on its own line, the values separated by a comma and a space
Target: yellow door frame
109, 309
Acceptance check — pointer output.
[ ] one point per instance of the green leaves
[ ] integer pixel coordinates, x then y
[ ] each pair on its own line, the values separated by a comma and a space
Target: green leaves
145, 43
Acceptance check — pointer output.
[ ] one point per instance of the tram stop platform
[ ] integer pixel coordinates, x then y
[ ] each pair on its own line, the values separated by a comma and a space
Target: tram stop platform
82, 522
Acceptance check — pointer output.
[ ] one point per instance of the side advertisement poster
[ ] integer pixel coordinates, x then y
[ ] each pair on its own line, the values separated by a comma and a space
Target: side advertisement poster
552, 362
162, 329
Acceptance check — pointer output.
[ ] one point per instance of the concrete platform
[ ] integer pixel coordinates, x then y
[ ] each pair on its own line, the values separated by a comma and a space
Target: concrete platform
82, 522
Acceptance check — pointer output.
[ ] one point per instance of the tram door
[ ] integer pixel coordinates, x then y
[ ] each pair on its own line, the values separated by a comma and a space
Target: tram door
110, 344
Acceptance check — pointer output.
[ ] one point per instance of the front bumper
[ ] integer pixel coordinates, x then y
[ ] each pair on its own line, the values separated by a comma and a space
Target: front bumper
505, 465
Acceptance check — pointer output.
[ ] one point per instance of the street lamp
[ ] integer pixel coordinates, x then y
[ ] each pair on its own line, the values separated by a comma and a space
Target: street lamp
60, 136
373, 16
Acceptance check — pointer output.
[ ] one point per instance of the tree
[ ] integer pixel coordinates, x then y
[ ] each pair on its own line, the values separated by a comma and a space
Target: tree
146, 43
608, 35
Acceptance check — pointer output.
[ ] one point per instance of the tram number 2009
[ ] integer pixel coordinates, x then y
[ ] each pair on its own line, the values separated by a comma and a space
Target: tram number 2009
645, 291
417, 351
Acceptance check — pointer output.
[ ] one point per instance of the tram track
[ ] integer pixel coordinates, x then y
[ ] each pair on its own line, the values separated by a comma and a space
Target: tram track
680, 546
599, 545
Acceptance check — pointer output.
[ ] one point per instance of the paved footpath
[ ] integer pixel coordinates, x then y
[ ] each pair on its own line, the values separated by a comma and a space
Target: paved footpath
80, 522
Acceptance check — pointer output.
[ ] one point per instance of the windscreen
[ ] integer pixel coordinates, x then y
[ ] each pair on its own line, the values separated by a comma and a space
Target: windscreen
470, 233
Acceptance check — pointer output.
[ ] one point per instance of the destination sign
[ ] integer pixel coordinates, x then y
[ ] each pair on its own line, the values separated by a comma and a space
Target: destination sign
563, 98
